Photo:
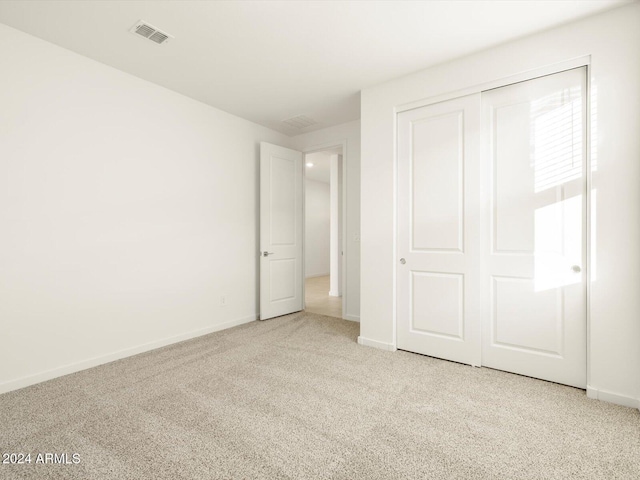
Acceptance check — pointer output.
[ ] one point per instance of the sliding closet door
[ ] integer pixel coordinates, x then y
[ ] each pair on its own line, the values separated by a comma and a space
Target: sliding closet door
438, 270
534, 254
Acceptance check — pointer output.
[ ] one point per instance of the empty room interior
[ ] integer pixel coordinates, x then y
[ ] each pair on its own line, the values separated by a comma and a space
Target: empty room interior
320, 239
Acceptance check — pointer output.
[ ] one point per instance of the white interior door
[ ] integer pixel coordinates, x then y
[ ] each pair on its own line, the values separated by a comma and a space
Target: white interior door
438, 271
534, 280
280, 231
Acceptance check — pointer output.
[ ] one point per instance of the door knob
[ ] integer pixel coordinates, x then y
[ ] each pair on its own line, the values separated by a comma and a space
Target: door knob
403, 261
576, 268
266, 254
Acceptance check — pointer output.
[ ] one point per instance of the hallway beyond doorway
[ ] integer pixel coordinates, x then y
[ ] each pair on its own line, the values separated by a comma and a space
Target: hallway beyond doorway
317, 298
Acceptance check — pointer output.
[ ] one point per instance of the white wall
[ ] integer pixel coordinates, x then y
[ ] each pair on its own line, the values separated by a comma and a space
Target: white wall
127, 210
612, 40
316, 228
350, 134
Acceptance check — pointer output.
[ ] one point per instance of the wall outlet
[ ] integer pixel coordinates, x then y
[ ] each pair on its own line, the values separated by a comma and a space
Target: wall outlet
223, 300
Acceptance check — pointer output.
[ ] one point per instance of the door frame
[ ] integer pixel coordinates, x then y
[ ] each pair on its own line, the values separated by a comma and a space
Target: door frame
343, 220
584, 61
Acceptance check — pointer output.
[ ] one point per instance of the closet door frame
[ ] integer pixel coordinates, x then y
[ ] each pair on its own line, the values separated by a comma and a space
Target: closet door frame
584, 61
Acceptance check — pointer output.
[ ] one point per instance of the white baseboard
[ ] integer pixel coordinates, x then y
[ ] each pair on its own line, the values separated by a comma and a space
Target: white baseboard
611, 397
110, 357
367, 342
353, 318
314, 275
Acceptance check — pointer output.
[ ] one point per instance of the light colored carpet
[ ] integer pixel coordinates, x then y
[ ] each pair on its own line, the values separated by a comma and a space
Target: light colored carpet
296, 397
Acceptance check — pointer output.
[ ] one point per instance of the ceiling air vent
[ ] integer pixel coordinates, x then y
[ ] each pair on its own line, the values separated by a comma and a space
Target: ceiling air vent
299, 122
150, 32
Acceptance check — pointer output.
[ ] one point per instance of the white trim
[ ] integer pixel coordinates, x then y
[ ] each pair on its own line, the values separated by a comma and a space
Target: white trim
351, 318
611, 397
394, 258
501, 82
304, 233
367, 342
588, 172
314, 275
110, 357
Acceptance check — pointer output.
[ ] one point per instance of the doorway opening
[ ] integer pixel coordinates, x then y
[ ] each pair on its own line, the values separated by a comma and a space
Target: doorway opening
323, 225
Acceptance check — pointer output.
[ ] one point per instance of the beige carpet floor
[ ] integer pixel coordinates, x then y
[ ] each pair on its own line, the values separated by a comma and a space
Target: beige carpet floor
296, 397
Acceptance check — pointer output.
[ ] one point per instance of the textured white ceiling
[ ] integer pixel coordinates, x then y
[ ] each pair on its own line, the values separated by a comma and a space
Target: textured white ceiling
270, 60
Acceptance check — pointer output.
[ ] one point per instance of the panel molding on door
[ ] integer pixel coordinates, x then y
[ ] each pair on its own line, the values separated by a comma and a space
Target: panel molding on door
438, 305
535, 162
499, 243
280, 231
